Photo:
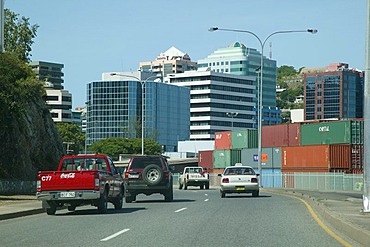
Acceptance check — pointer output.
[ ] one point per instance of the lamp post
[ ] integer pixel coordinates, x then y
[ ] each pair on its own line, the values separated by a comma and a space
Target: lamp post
232, 115
262, 44
142, 102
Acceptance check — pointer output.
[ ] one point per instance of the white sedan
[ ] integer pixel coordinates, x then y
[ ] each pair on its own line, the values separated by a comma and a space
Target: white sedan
239, 179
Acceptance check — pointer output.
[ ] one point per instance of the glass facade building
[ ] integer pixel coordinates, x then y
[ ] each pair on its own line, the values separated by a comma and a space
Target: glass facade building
334, 94
114, 109
237, 59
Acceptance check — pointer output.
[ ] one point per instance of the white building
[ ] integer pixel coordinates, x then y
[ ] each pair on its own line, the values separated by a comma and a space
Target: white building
218, 101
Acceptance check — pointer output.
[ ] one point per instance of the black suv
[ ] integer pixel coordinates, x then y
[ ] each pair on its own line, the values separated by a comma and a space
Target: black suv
148, 174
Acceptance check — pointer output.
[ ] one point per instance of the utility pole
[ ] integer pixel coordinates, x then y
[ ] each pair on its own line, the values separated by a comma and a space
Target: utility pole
366, 193
2, 18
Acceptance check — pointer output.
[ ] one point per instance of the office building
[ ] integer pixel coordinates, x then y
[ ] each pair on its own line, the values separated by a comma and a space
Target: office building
237, 59
169, 62
219, 101
57, 98
336, 91
114, 110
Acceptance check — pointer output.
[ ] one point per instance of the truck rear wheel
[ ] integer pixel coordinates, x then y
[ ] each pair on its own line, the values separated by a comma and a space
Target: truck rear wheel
118, 202
51, 210
103, 203
207, 186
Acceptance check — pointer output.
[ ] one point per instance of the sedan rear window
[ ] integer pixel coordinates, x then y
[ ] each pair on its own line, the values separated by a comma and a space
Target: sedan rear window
239, 171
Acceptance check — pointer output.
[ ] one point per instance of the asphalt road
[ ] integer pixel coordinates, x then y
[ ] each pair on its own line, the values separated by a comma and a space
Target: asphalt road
195, 218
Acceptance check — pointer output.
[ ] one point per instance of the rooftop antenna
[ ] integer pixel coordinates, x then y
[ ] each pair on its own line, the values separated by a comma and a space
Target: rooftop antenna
270, 50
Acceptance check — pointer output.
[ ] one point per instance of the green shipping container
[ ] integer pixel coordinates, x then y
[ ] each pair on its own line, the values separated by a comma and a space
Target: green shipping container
224, 158
336, 132
241, 139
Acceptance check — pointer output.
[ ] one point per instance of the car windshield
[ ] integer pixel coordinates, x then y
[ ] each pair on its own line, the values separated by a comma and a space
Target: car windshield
239, 171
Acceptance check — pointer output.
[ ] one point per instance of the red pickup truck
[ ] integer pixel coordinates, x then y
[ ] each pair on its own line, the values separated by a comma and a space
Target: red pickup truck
81, 180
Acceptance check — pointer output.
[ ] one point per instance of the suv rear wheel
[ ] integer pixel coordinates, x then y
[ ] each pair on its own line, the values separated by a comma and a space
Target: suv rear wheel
152, 174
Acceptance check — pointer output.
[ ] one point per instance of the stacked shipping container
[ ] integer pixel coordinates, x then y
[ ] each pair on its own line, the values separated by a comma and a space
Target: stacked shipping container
335, 146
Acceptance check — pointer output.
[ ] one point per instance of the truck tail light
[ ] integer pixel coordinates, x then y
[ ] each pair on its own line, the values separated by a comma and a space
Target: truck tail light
254, 180
225, 180
96, 181
187, 176
38, 184
126, 175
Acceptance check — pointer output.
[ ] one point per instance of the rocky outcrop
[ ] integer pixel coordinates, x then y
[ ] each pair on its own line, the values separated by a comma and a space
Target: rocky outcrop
29, 142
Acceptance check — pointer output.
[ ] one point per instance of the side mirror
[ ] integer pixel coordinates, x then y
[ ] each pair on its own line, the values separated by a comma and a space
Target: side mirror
220, 175
257, 174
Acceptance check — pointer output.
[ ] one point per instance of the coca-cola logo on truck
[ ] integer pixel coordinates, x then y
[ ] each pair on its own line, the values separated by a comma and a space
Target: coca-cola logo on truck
67, 175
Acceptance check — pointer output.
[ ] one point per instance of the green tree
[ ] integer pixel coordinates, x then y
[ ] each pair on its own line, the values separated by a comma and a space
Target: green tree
72, 134
18, 35
114, 146
18, 85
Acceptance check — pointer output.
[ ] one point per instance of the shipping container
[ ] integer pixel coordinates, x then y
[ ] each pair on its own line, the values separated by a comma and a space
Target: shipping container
335, 132
224, 158
281, 135
205, 159
317, 158
247, 138
223, 140
271, 158
357, 157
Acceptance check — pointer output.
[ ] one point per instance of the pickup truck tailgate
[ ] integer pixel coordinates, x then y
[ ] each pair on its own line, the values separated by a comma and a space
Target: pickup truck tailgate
68, 180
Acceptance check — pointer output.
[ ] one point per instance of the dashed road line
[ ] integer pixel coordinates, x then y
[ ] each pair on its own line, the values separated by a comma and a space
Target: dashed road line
181, 209
114, 235
206, 200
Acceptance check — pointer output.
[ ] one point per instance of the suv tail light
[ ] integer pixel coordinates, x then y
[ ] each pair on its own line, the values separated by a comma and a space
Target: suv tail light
225, 180
254, 180
96, 181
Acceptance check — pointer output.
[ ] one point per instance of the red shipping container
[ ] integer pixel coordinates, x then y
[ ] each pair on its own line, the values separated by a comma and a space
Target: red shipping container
281, 135
223, 140
318, 158
294, 134
205, 159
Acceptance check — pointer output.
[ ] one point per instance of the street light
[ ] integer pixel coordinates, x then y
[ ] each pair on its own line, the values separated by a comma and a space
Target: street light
142, 102
262, 44
232, 115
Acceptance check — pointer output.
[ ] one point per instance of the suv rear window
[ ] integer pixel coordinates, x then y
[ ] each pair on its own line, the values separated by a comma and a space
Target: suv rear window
141, 163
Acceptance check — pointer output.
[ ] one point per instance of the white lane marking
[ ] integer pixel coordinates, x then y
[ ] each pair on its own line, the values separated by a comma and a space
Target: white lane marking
114, 235
206, 200
206, 194
181, 209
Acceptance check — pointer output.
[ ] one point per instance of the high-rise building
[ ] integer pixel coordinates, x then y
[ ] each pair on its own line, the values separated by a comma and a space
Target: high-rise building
237, 59
114, 109
219, 101
169, 62
58, 99
333, 92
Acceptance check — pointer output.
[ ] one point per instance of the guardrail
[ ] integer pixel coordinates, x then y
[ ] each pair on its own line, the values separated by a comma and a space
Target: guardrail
304, 181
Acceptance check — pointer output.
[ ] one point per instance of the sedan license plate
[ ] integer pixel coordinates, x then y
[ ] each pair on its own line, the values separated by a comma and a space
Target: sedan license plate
239, 188
67, 194
133, 175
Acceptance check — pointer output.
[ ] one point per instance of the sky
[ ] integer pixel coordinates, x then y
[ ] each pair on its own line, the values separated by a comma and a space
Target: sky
91, 37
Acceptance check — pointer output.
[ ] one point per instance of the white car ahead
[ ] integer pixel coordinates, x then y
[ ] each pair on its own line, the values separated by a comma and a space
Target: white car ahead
239, 179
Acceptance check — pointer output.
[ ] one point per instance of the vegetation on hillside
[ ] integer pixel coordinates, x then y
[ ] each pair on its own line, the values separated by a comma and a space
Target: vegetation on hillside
18, 35
285, 100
